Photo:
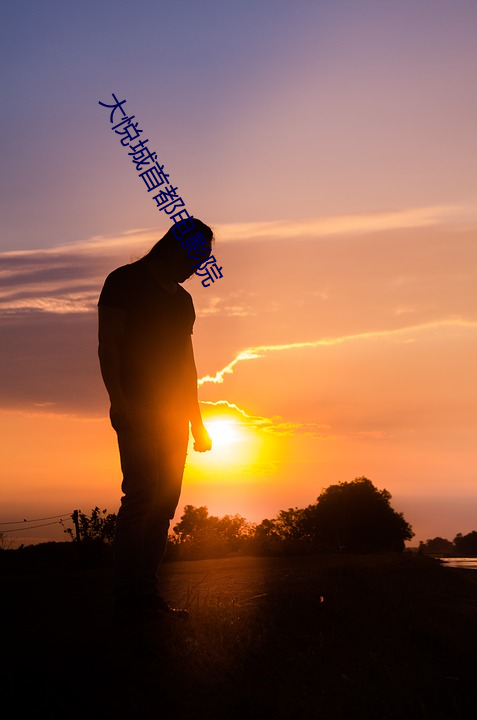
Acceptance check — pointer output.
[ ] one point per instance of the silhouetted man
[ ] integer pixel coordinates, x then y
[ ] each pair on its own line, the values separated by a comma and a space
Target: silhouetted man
147, 363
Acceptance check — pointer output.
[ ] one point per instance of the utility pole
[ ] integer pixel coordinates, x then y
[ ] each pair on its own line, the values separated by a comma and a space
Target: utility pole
76, 524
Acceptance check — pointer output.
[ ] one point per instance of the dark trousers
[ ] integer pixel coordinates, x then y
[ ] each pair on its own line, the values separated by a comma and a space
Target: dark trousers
153, 448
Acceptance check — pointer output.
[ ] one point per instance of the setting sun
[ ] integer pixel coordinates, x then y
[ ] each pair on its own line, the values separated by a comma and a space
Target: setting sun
222, 432
236, 448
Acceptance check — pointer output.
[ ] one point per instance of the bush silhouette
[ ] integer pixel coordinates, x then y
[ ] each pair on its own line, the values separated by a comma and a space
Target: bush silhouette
100, 526
466, 545
200, 535
357, 517
437, 546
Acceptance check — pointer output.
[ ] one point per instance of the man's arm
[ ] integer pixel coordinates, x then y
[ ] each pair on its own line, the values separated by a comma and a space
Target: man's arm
111, 329
201, 437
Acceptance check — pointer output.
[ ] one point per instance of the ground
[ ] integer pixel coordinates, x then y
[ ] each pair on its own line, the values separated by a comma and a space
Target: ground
326, 637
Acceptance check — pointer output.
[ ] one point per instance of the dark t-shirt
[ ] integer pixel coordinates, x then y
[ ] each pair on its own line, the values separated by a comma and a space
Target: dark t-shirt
153, 349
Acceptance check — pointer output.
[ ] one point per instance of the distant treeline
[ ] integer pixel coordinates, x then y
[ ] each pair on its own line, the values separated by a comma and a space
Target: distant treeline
461, 546
351, 516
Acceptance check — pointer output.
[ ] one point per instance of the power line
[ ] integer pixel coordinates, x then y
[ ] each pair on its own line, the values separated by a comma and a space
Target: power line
30, 527
21, 522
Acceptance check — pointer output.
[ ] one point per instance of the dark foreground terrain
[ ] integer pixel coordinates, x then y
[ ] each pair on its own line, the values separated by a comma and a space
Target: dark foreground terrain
328, 637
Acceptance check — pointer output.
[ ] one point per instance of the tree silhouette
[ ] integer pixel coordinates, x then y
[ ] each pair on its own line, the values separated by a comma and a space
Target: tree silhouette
466, 545
235, 531
193, 522
286, 526
357, 517
437, 546
199, 534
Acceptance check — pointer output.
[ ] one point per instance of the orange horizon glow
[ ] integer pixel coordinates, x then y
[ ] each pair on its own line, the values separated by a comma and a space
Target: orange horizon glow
335, 173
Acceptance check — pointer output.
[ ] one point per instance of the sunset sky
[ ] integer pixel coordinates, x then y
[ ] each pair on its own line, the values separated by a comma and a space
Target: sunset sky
331, 145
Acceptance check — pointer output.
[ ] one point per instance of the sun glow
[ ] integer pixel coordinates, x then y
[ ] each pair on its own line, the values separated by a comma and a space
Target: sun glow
223, 432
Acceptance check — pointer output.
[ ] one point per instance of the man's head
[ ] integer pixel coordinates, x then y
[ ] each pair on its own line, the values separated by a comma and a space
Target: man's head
179, 258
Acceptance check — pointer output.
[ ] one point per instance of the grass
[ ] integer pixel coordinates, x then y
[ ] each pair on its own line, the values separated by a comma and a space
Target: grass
326, 637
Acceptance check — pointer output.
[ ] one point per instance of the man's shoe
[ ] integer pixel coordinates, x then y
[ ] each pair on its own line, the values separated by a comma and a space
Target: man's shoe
160, 605
146, 608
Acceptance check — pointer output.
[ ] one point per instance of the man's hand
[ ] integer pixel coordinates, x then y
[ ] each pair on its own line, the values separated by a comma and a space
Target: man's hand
203, 441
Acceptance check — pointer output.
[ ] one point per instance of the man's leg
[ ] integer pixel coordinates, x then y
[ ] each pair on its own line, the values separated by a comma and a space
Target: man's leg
171, 457
139, 466
152, 460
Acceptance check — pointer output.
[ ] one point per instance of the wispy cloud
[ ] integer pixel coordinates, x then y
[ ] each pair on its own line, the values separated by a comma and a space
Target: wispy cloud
274, 425
379, 285
259, 351
67, 278
233, 305
340, 224
68, 303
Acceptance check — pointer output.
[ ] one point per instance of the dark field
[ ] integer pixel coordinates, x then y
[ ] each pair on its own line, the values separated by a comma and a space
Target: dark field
330, 637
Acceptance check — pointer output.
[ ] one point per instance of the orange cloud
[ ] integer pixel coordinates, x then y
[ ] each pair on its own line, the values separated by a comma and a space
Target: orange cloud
254, 353
274, 425
340, 224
